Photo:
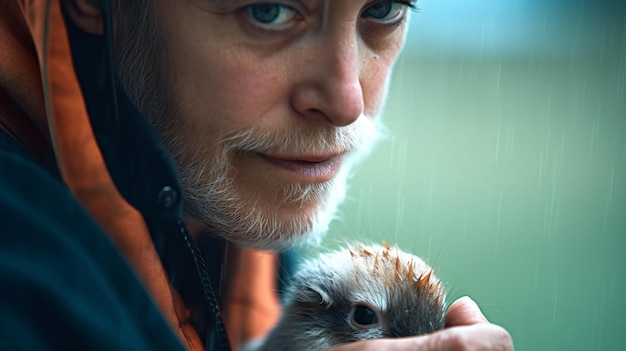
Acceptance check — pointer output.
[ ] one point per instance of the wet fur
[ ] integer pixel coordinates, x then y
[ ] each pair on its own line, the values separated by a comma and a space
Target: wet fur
401, 288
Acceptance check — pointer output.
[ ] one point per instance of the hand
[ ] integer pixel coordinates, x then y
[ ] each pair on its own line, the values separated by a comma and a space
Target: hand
466, 329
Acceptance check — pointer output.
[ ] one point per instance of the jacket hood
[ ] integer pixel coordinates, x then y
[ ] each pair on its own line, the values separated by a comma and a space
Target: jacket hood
42, 104
48, 113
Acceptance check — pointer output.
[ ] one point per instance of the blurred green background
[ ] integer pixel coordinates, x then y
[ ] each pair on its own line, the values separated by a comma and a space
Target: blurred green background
505, 165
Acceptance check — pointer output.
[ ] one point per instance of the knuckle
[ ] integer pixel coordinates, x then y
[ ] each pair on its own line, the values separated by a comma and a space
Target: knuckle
503, 339
487, 337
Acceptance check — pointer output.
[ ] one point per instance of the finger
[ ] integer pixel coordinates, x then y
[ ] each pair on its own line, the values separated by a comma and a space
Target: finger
478, 337
464, 311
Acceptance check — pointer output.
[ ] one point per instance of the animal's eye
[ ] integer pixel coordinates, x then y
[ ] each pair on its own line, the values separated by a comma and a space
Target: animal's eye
364, 316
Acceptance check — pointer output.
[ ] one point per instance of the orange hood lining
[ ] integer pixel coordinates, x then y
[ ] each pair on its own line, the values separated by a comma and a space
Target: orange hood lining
43, 107
82, 165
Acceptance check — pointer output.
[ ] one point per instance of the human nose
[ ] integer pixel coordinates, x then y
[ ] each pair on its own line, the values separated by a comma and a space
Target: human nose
331, 89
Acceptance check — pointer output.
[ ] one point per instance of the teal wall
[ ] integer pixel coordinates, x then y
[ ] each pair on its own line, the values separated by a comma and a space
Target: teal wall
507, 172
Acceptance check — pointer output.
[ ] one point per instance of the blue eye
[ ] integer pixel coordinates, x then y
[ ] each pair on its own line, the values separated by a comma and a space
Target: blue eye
387, 11
380, 9
271, 15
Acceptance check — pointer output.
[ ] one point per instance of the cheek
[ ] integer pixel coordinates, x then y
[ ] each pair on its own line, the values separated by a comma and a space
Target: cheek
376, 69
374, 80
377, 60
217, 86
230, 93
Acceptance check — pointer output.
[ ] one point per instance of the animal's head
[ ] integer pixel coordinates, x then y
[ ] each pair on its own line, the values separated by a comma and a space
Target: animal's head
367, 292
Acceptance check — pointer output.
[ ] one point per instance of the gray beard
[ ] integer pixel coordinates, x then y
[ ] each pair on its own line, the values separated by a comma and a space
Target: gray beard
213, 199
249, 220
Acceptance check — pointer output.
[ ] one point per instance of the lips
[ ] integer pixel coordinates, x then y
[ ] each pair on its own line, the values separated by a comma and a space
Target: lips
312, 168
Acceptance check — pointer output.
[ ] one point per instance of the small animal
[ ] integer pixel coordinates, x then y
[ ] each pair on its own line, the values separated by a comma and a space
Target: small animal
357, 293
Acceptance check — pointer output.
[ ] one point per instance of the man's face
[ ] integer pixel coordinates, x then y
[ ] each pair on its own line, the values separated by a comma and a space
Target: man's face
268, 106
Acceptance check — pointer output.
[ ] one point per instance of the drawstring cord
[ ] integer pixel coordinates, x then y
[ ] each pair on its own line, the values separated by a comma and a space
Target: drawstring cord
216, 339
